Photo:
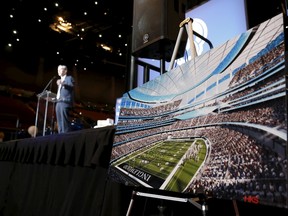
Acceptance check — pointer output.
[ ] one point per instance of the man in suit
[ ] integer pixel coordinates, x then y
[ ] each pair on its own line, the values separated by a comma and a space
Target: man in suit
65, 99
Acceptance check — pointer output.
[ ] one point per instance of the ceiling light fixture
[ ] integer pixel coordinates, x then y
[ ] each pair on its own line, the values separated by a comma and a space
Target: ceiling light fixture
107, 48
61, 25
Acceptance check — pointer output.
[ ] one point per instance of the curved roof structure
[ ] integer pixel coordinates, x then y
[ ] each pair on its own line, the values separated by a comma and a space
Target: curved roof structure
219, 62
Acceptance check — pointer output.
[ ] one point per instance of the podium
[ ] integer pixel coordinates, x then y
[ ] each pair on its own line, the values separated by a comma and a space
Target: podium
44, 120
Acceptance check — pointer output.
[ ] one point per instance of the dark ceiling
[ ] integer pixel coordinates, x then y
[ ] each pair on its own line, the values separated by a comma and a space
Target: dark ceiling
94, 24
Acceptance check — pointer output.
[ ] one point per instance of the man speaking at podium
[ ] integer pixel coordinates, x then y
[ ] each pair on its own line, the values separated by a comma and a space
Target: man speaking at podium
65, 99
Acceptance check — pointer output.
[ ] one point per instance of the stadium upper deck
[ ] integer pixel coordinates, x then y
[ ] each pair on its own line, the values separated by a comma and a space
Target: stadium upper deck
211, 72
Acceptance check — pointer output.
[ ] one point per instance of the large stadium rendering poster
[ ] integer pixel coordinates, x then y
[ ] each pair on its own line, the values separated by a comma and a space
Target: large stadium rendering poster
216, 123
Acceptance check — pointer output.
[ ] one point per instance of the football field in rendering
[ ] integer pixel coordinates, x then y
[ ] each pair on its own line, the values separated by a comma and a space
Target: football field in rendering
168, 165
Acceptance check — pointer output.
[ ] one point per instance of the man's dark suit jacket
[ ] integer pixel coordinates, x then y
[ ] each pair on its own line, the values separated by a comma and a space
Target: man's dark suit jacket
67, 90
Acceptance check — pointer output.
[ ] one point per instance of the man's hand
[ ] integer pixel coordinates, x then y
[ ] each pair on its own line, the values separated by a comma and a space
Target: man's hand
58, 82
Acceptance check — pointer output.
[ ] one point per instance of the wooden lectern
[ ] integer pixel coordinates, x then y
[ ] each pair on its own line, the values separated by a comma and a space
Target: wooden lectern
45, 112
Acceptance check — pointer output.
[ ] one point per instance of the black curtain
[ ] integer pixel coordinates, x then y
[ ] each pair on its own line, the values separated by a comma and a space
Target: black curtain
63, 174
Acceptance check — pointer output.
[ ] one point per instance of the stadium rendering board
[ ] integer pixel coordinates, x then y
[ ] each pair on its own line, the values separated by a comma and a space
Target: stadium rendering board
215, 124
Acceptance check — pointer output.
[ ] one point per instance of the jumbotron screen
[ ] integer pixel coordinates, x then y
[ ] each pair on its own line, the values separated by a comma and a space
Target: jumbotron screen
215, 124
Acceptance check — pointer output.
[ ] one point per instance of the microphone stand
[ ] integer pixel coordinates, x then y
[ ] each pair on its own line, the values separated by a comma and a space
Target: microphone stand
49, 83
53, 117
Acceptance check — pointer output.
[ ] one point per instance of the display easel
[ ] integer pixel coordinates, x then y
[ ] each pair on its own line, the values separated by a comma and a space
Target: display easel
187, 23
46, 101
203, 207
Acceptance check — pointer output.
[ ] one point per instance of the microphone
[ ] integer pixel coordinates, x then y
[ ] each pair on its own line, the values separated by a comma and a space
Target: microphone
49, 83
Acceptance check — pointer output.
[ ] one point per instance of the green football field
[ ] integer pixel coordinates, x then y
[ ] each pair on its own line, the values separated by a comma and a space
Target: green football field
173, 161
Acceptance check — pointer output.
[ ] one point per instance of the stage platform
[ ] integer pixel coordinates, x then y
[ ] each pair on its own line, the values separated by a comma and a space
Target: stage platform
60, 174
